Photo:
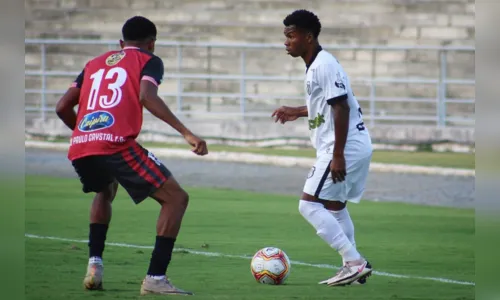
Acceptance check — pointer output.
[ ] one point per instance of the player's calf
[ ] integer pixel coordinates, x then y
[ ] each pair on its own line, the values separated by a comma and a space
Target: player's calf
328, 228
174, 201
100, 211
100, 216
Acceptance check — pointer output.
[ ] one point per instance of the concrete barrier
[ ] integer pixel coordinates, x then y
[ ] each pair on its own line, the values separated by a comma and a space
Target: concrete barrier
264, 130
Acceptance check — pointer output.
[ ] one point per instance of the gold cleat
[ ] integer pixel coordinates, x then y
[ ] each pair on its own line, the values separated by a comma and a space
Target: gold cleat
160, 286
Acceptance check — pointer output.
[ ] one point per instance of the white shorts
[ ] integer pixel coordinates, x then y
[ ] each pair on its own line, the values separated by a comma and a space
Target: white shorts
319, 181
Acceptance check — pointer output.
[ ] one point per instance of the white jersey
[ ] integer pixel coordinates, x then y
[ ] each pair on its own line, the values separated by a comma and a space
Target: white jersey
325, 80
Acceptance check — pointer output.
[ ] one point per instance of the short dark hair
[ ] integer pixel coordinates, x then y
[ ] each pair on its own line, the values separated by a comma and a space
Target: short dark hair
304, 19
138, 29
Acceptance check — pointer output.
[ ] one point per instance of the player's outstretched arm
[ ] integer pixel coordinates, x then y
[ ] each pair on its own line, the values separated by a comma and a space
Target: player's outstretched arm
286, 114
154, 104
65, 107
302, 111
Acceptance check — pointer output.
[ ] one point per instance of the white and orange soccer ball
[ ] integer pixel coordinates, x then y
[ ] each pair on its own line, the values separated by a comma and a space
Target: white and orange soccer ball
270, 265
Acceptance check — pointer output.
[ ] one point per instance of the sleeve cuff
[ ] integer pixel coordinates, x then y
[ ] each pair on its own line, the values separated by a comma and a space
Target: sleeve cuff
336, 99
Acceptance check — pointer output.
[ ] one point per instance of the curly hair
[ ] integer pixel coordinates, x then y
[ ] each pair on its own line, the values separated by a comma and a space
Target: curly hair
138, 29
305, 20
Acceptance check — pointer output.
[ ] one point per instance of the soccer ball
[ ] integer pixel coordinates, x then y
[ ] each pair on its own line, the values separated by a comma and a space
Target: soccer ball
270, 265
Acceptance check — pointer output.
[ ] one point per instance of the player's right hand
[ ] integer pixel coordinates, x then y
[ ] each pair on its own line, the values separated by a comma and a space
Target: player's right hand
285, 114
338, 169
199, 145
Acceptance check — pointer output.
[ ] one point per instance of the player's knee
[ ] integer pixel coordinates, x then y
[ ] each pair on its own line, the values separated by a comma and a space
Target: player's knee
109, 192
335, 205
302, 207
114, 188
179, 198
307, 208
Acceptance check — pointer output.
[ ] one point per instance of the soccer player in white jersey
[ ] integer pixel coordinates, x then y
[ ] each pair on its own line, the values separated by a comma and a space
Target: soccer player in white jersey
343, 146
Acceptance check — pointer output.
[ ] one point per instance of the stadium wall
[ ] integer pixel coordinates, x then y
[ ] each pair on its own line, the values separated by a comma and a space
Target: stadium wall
361, 22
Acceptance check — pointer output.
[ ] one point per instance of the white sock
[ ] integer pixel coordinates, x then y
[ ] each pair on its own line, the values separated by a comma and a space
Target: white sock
95, 260
329, 229
157, 277
345, 222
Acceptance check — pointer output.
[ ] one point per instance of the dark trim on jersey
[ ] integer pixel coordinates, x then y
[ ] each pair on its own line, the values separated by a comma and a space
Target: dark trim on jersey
318, 50
322, 181
143, 51
337, 99
79, 80
154, 68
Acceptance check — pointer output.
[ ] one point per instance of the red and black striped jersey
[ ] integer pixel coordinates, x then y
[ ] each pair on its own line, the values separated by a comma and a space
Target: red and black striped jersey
110, 113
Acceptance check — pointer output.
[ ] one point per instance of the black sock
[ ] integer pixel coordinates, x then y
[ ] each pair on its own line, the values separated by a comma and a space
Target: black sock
97, 237
161, 256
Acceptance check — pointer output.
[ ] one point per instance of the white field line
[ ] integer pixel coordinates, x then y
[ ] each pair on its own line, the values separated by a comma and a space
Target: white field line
216, 254
284, 161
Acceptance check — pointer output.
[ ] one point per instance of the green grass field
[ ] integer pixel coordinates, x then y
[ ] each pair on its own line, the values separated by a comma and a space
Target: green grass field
409, 240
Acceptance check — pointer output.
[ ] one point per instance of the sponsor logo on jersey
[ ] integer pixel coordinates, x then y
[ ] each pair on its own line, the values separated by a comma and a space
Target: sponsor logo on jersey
96, 120
339, 83
316, 122
115, 58
309, 88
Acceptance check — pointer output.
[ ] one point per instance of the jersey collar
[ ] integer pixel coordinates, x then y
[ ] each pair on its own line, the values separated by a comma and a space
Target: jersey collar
130, 47
318, 50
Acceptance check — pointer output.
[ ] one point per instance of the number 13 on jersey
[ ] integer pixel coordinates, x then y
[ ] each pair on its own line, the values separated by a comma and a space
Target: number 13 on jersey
117, 77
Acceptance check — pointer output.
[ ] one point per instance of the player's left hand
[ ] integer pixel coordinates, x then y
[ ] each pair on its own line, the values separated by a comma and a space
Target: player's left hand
199, 145
337, 168
284, 114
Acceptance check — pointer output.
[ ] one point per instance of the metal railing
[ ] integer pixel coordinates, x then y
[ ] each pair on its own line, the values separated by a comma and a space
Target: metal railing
440, 118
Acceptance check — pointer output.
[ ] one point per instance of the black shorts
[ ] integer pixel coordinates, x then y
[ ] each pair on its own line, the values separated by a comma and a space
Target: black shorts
136, 169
